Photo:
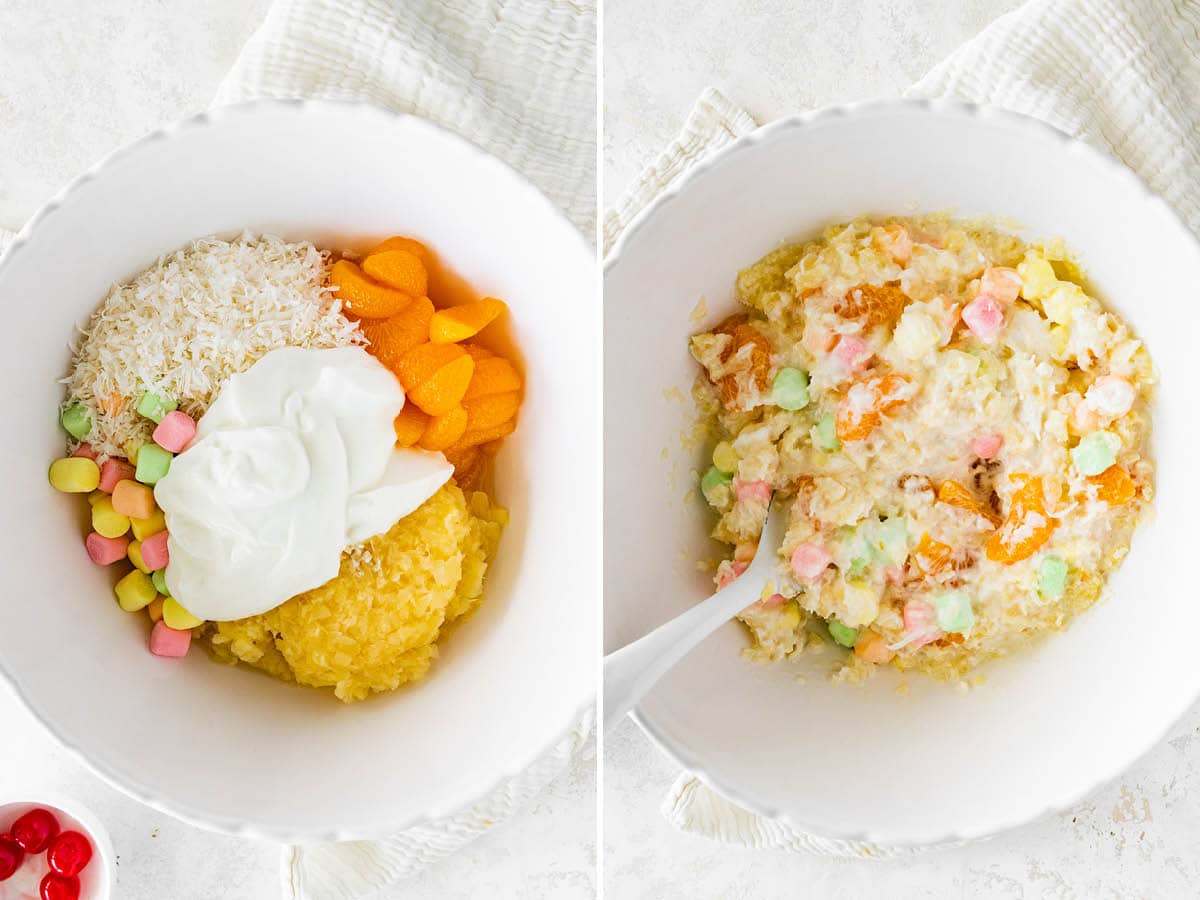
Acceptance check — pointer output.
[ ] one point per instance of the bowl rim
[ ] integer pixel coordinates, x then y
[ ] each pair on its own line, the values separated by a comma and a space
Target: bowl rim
951, 108
580, 719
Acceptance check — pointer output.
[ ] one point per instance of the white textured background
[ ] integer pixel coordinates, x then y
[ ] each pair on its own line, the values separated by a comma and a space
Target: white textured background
1135, 839
79, 78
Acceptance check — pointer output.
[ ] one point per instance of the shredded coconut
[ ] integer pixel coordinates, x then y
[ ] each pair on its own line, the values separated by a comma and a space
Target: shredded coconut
197, 316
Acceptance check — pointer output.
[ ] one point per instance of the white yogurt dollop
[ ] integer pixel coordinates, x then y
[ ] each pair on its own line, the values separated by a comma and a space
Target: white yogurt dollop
294, 462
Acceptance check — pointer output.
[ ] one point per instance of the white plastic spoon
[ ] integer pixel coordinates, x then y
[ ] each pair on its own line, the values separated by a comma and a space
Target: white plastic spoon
630, 673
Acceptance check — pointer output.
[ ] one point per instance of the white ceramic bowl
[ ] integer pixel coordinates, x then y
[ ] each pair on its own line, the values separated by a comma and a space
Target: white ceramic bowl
96, 879
230, 749
1049, 726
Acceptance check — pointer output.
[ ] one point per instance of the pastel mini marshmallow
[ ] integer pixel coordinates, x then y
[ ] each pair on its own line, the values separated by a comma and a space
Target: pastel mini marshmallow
85, 450
1111, 396
105, 551
728, 573
133, 499
154, 551
175, 431
984, 317
1001, 283
986, 446
851, 353
169, 642
752, 490
113, 470
920, 623
810, 561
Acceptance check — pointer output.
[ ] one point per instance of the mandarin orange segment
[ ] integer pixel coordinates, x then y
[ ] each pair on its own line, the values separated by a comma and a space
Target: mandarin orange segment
469, 467
363, 296
478, 352
493, 375
932, 556
444, 430
758, 361
398, 242
435, 376
859, 411
409, 425
852, 427
954, 494
475, 437
491, 410
874, 304
1027, 526
1114, 486
399, 269
457, 323
391, 338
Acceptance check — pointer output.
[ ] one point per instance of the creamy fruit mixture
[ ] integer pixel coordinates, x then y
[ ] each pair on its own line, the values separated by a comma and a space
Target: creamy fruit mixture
958, 429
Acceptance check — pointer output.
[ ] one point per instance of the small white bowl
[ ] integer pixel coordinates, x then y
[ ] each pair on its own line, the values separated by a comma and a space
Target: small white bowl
232, 749
1050, 725
96, 880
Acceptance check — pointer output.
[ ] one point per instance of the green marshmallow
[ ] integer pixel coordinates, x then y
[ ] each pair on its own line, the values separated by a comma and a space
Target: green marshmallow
842, 634
891, 541
159, 577
154, 407
954, 613
790, 389
711, 481
153, 462
858, 565
1095, 452
1052, 577
76, 420
826, 437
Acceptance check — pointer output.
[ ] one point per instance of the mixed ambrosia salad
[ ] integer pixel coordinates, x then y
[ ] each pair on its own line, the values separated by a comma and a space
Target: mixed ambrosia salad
959, 429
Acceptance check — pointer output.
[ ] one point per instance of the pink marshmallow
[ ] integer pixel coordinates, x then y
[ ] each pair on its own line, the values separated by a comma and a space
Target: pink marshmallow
175, 431
105, 551
1111, 395
985, 446
809, 561
985, 317
726, 574
154, 551
852, 353
1001, 283
752, 490
87, 451
112, 470
772, 601
166, 641
920, 623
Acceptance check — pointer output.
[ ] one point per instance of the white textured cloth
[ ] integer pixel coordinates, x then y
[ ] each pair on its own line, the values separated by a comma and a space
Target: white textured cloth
1121, 74
358, 869
516, 77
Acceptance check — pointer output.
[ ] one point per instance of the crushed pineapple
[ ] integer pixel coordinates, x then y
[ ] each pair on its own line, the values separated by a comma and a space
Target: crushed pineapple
376, 625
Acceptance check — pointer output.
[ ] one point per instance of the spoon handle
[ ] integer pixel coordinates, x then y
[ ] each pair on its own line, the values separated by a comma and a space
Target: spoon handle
629, 673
